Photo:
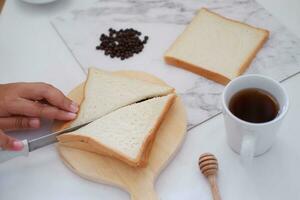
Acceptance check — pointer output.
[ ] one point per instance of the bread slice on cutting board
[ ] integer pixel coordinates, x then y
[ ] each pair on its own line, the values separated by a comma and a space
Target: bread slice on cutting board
215, 47
105, 92
126, 134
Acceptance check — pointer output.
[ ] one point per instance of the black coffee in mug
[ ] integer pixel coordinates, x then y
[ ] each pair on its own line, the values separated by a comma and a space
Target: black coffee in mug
254, 105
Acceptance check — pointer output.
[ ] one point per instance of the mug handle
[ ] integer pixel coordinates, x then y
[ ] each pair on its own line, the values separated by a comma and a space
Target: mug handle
248, 148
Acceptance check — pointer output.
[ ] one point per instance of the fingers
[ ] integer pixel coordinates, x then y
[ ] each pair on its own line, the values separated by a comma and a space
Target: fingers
9, 143
35, 109
15, 123
39, 91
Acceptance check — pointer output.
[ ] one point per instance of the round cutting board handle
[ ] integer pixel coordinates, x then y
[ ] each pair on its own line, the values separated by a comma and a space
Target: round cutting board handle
141, 193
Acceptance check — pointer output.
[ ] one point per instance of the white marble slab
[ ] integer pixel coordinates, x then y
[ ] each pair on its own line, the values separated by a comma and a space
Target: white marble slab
163, 21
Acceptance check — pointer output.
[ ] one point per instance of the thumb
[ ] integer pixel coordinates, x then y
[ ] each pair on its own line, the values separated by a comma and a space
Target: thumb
9, 143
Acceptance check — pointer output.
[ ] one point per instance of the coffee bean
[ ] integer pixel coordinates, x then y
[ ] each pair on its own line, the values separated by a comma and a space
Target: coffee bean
122, 44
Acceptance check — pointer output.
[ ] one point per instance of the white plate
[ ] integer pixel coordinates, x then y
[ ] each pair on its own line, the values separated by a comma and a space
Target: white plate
38, 1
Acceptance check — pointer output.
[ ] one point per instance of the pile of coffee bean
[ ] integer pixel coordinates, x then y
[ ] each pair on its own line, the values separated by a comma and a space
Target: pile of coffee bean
122, 44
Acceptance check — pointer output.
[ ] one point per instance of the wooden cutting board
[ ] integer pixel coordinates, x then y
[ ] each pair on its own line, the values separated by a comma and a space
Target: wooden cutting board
139, 182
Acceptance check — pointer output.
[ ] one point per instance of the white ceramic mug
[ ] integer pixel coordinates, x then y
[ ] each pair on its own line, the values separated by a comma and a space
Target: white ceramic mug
246, 138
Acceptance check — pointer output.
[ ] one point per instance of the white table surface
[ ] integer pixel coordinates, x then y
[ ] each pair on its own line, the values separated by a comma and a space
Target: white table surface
30, 50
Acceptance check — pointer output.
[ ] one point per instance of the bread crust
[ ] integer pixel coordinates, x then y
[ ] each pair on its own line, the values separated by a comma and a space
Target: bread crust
253, 54
197, 70
89, 144
83, 98
215, 76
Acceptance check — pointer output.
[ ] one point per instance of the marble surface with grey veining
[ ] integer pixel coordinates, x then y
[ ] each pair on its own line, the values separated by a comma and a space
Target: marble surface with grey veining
163, 21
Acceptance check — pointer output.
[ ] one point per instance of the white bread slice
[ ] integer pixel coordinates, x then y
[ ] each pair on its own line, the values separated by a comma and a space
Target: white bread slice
106, 92
215, 47
126, 134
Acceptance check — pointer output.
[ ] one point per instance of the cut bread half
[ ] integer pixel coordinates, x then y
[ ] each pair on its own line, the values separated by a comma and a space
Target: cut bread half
105, 92
215, 47
126, 134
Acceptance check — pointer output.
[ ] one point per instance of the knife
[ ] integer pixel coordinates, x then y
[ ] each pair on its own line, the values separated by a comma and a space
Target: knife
31, 145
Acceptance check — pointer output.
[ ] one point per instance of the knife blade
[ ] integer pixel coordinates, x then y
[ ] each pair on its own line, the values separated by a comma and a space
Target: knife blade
37, 143
50, 138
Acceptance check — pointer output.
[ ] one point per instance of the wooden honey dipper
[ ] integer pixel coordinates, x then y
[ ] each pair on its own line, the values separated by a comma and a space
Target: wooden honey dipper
208, 165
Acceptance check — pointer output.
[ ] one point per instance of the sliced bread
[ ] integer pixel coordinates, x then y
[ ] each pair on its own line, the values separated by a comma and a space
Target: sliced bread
105, 92
126, 134
215, 47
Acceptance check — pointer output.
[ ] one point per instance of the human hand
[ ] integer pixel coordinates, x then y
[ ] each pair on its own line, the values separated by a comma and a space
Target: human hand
9, 143
23, 104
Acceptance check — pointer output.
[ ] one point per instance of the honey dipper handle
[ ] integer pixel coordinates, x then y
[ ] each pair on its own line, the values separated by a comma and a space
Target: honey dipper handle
214, 187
